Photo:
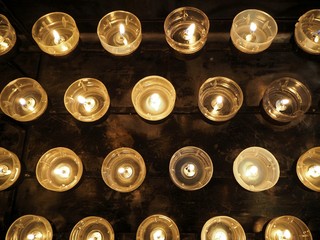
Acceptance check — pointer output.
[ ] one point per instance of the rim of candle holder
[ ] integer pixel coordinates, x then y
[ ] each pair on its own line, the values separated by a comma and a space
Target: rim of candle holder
307, 160
302, 36
53, 156
87, 87
25, 223
119, 50
12, 95
185, 47
227, 88
266, 159
290, 87
146, 84
121, 158
41, 21
236, 231
14, 167
200, 173
235, 35
289, 223
12, 32
92, 225
145, 228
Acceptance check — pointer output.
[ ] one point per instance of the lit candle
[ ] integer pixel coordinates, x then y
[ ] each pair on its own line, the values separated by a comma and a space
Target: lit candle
282, 104
158, 234
283, 235
252, 172
314, 171
217, 104
251, 36
35, 236
88, 103
316, 37
188, 34
62, 171
28, 104
95, 235
125, 172
155, 103
122, 32
190, 170
219, 234
3, 44
4, 170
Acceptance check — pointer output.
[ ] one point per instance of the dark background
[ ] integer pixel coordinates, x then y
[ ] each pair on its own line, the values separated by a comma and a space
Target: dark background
156, 142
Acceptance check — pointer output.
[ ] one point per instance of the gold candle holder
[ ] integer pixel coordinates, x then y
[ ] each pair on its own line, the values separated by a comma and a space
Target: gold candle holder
222, 228
256, 169
8, 36
23, 99
123, 169
56, 33
92, 228
253, 31
87, 99
120, 32
190, 168
308, 169
10, 168
59, 169
158, 227
186, 29
153, 98
307, 33
31, 227
287, 228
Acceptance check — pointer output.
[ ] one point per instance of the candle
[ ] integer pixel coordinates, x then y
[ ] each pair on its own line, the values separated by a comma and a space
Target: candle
56, 33
217, 104
4, 170
153, 97
253, 31
314, 171
88, 103
63, 171
186, 29
252, 172
158, 234
95, 235
190, 170
219, 234
7, 35
28, 104
283, 235
125, 172
282, 104
120, 32
35, 235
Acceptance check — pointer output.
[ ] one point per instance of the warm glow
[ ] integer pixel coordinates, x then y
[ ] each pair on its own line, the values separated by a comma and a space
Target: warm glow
88, 103
217, 103
282, 105
220, 235
34, 236
155, 101
189, 170
122, 31
4, 170
28, 104
252, 171
95, 236
189, 32
56, 37
3, 44
283, 235
62, 172
316, 39
158, 234
314, 171
253, 27
125, 172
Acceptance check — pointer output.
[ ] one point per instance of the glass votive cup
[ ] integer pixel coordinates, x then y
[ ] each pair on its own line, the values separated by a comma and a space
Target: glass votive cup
153, 98
120, 32
8, 36
222, 228
253, 31
10, 168
23, 99
91, 228
220, 98
287, 227
59, 169
186, 29
308, 169
286, 99
123, 169
56, 33
307, 32
256, 169
87, 99
156, 227
30, 227
190, 168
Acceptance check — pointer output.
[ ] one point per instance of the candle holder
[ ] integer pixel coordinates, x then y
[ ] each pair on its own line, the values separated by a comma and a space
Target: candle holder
186, 29
256, 169
123, 170
286, 99
286, 228
8, 36
59, 169
56, 33
220, 98
120, 32
153, 98
158, 227
10, 168
222, 228
253, 31
23, 99
308, 169
87, 99
307, 32
30, 227
190, 168
91, 228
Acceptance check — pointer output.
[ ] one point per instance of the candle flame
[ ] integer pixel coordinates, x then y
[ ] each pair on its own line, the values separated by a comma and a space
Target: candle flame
62, 171
252, 171
155, 101
158, 235
217, 103
27, 104
122, 31
189, 32
56, 37
88, 103
283, 235
314, 171
253, 27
